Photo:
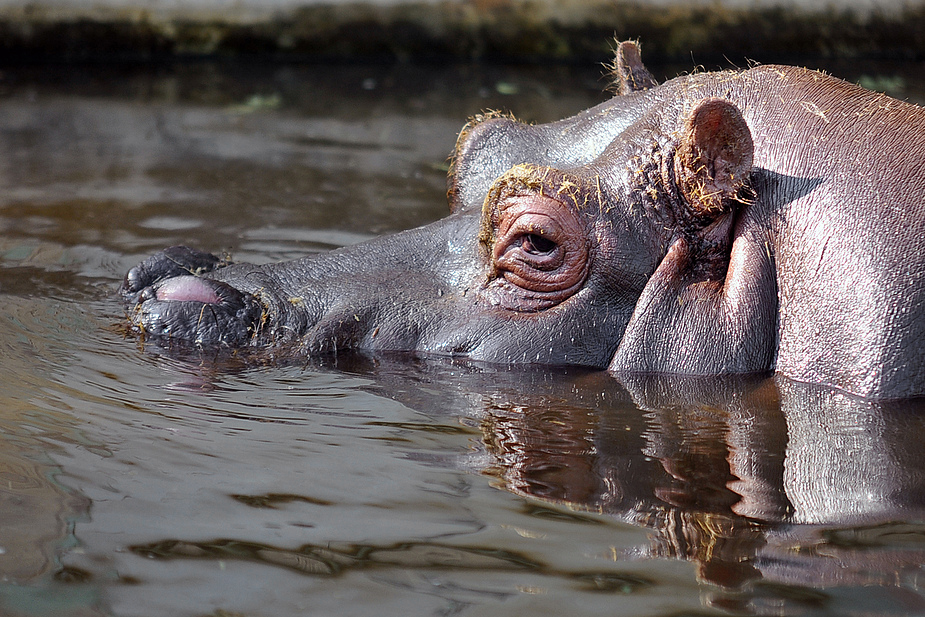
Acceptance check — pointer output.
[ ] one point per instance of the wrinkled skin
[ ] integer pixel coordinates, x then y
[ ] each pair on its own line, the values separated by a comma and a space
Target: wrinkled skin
733, 222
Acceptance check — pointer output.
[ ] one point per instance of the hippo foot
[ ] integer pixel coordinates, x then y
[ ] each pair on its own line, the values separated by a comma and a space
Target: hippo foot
166, 297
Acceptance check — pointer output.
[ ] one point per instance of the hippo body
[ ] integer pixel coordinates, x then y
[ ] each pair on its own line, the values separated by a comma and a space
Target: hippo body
768, 219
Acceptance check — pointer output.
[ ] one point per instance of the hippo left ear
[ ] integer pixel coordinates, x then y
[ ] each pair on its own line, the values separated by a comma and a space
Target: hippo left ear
630, 74
714, 157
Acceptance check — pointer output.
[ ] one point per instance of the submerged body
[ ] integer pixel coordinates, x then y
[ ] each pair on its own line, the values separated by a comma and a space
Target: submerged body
742, 221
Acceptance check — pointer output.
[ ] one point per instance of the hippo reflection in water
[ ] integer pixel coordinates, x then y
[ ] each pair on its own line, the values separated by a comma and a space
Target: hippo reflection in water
746, 478
767, 219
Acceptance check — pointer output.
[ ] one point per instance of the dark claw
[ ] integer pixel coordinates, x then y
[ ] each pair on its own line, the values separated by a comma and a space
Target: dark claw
171, 262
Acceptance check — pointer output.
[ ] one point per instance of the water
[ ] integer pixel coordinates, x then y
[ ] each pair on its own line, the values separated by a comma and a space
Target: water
138, 482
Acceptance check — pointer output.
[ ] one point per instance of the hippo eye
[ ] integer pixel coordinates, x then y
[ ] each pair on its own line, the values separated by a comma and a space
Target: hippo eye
540, 252
537, 245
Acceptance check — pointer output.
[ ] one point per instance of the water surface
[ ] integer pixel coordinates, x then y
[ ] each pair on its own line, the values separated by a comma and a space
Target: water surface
139, 482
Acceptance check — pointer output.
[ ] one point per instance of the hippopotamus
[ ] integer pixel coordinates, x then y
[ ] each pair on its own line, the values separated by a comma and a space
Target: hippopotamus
741, 221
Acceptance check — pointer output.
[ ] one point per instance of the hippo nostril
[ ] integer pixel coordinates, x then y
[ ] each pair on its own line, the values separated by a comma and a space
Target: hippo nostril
186, 289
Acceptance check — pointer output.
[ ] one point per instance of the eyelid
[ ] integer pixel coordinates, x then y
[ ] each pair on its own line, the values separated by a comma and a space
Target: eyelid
539, 246
509, 247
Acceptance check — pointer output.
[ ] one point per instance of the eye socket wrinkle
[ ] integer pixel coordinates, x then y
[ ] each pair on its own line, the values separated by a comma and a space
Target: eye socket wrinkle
539, 245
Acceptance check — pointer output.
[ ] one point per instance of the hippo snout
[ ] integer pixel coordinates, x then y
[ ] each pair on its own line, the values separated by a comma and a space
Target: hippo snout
166, 296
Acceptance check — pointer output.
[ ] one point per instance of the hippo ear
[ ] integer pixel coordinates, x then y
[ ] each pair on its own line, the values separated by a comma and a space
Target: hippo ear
630, 75
714, 157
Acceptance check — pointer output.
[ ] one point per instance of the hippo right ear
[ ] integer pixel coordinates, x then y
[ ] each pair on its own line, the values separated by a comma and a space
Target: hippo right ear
714, 158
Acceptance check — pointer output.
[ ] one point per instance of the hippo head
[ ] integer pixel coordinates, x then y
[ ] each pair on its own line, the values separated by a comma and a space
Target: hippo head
555, 230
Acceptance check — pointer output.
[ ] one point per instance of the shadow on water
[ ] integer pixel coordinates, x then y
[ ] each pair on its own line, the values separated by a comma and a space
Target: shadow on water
141, 481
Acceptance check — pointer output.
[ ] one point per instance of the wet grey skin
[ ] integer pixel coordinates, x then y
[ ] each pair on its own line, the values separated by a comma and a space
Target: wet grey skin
756, 220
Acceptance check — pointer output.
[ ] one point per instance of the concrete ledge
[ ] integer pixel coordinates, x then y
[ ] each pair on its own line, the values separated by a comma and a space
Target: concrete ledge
492, 30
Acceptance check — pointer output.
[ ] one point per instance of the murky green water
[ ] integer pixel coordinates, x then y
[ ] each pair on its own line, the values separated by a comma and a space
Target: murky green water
133, 482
